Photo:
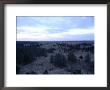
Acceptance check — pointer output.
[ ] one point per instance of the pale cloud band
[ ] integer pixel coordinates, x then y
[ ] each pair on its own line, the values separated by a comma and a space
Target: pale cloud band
43, 34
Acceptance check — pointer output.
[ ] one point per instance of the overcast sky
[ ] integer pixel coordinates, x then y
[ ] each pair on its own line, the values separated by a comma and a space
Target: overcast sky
55, 28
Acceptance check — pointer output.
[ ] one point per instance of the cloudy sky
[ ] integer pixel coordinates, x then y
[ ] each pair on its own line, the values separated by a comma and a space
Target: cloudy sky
55, 28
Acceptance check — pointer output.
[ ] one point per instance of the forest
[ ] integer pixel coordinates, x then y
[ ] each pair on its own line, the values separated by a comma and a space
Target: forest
54, 57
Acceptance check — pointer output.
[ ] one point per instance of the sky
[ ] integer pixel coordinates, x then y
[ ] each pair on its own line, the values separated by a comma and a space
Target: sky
55, 28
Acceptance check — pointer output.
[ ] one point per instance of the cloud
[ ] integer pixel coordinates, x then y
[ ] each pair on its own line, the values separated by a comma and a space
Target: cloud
27, 29
78, 31
42, 33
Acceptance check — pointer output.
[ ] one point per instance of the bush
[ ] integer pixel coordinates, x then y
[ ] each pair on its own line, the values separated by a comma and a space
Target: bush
71, 57
58, 60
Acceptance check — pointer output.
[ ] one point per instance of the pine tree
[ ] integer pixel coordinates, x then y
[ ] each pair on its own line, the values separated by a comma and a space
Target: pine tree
71, 57
58, 60
87, 58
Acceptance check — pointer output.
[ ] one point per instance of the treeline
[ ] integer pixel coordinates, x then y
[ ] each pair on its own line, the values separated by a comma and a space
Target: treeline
87, 47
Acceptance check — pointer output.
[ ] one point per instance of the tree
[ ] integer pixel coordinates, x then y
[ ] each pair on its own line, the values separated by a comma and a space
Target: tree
17, 69
81, 57
51, 50
32, 72
92, 66
71, 57
27, 59
87, 58
58, 60
77, 72
52, 59
45, 72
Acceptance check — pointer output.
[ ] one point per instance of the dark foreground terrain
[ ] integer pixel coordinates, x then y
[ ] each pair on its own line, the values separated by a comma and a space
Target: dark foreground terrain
55, 57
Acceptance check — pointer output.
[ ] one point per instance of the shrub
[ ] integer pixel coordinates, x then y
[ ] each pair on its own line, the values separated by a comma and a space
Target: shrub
58, 60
